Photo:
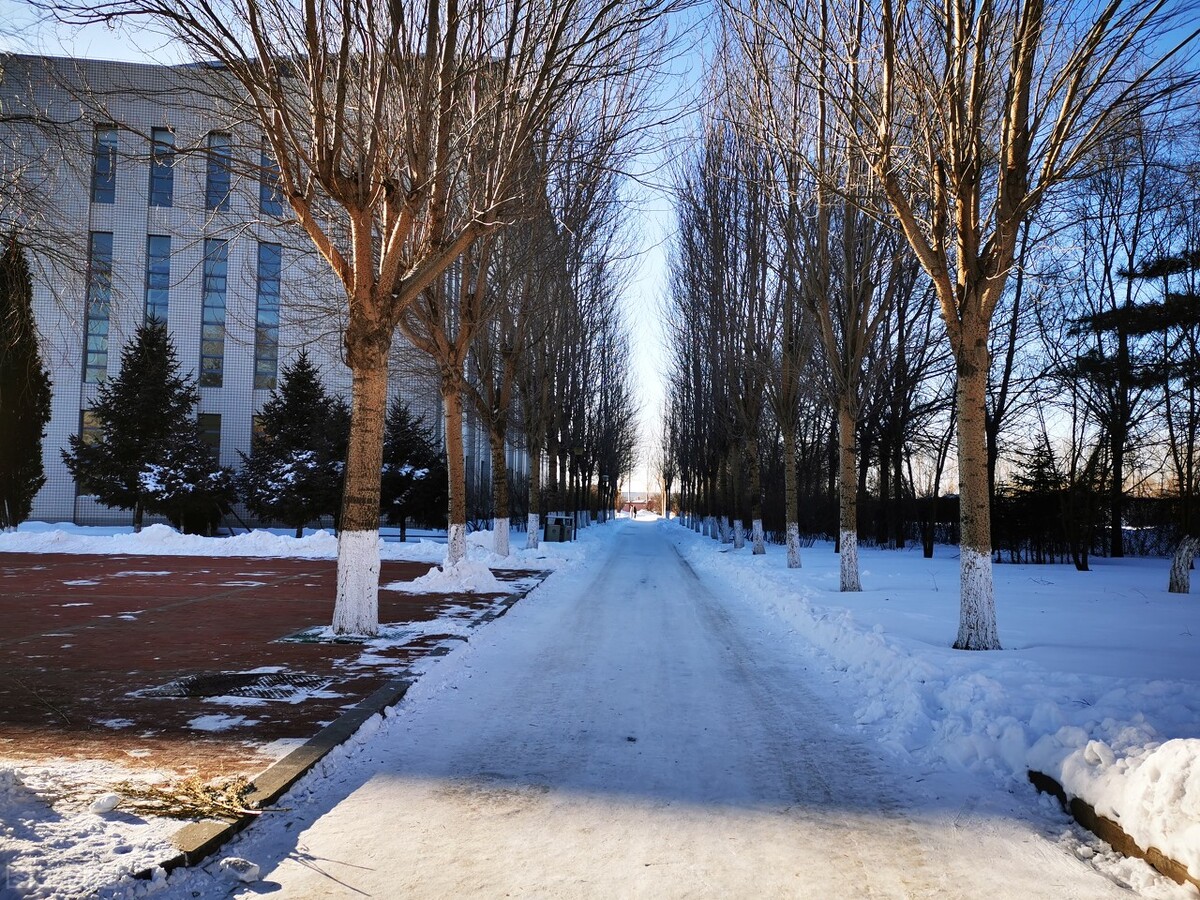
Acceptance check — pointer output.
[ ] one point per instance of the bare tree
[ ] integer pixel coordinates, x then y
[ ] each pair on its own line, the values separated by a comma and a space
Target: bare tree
379, 118
973, 113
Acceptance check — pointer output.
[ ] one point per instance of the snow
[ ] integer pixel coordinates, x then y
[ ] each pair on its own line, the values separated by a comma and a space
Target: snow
468, 576
217, 722
633, 728
57, 839
1098, 687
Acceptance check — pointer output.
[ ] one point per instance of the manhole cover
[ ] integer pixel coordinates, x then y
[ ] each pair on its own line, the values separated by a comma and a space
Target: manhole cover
259, 685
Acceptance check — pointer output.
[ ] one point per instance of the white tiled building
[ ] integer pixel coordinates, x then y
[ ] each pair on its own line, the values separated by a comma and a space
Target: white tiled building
161, 202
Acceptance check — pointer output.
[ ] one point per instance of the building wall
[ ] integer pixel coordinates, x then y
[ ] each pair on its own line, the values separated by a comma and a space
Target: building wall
79, 95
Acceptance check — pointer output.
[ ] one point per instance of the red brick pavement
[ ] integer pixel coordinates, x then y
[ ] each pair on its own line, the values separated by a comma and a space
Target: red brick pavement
80, 636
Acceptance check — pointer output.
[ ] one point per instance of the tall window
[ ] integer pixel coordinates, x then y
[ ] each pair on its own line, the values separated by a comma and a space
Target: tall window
219, 182
209, 425
104, 164
162, 167
90, 431
158, 276
99, 301
266, 325
212, 323
270, 200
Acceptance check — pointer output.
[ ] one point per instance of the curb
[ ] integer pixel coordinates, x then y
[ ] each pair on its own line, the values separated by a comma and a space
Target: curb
198, 840
1109, 831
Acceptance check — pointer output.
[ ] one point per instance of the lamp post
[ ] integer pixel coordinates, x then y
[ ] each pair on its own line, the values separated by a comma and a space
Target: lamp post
604, 503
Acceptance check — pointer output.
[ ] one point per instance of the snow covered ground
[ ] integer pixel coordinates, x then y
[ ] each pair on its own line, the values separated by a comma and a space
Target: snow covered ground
52, 842
1098, 685
637, 727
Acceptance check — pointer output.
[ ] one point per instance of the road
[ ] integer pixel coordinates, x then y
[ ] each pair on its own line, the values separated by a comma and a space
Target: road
635, 733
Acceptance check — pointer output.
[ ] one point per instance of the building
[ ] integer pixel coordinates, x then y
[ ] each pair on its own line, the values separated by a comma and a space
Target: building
152, 195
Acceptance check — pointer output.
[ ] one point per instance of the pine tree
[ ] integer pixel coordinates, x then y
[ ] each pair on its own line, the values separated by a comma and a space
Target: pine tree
24, 391
295, 468
144, 414
188, 486
414, 482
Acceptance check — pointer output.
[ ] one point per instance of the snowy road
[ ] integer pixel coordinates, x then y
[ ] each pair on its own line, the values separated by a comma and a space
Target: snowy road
638, 733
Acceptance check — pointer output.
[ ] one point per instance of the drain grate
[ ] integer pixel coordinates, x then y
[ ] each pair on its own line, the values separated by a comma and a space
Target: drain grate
258, 685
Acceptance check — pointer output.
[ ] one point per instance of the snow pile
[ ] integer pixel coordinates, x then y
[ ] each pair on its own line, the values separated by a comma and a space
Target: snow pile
467, 576
1099, 687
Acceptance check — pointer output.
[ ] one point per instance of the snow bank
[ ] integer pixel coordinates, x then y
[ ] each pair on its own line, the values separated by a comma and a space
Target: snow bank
1099, 690
162, 540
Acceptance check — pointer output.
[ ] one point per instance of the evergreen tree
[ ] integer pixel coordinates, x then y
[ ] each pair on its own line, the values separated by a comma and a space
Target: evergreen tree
297, 456
24, 391
188, 486
144, 414
414, 480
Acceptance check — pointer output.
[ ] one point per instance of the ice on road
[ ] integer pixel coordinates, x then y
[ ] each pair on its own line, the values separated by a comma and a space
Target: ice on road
643, 734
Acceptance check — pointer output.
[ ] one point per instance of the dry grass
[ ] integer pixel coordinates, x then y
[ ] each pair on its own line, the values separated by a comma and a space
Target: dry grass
190, 798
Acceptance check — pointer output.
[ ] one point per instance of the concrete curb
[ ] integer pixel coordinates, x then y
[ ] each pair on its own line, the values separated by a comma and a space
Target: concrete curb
198, 840
1109, 831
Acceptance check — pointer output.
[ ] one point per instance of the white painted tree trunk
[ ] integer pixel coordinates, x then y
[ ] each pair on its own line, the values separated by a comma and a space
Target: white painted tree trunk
739, 534
726, 530
357, 608
531, 535
757, 540
456, 545
849, 562
793, 545
1181, 564
977, 611
500, 535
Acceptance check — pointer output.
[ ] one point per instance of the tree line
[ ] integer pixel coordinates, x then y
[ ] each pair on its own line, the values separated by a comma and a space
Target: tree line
908, 231
423, 150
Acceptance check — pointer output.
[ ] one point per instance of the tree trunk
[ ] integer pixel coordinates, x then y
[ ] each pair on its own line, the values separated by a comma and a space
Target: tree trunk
1181, 565
754, 477
977, 608
789, 496
356, 610
500, 503
456, 469
535, 499
848, 500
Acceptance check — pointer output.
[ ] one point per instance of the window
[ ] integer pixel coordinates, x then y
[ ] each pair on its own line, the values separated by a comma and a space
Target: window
210, 432
104, 164
219, 182
266, 324
158, 276
270, 200
162, 167
212, 323
90, 431
90, 428
99, 301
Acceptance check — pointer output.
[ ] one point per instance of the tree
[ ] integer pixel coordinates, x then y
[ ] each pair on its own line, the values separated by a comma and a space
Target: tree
976, 113
141, 417
402, 133
294, 472
188, 486
414, 471
24, 390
